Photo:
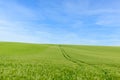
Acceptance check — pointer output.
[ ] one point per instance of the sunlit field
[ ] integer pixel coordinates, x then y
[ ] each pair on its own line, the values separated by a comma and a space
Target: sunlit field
23, 61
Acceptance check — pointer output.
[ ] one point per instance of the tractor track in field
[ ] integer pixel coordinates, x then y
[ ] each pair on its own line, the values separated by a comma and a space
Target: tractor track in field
80, 62
64, 53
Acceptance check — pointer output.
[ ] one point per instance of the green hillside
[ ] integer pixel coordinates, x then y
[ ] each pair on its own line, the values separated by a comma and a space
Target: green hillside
23, 61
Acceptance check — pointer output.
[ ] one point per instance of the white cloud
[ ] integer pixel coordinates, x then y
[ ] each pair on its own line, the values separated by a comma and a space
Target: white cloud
76, 7
14, 31
89, 7
109, 20
13, 36
107, 13
58, 21
12, 10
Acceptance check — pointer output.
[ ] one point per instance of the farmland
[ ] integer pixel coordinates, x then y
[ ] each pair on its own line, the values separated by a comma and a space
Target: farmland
23, 61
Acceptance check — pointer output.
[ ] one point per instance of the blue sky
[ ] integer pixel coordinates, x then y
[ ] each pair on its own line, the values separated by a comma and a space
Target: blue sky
91, 22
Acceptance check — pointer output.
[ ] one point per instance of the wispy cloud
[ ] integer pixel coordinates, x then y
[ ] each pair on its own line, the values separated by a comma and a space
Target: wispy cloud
109, 20
13, 10
65, 21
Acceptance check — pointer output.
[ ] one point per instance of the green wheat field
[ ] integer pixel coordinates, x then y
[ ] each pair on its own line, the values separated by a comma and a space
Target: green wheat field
23, 61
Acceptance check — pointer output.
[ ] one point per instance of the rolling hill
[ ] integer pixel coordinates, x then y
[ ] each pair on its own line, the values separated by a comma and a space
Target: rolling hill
24, 61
